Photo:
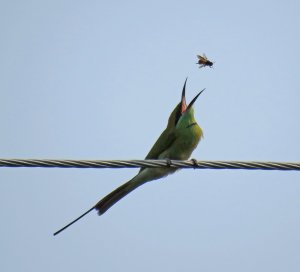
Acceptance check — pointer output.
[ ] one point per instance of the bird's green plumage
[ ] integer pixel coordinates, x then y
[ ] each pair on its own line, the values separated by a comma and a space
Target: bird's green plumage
177, 141
187, 135
166, 138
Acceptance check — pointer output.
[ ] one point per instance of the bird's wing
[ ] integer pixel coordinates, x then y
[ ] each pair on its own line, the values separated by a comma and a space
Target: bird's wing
164, 141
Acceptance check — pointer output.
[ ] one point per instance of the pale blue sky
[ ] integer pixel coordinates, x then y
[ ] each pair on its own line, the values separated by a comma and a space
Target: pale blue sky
98, 80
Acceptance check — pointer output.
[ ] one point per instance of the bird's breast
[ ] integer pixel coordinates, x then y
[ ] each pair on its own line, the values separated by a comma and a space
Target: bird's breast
187, 141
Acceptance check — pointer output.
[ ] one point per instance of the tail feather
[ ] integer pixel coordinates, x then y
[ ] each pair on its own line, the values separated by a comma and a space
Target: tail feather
71, 223
108, 201
105, 203
111, 199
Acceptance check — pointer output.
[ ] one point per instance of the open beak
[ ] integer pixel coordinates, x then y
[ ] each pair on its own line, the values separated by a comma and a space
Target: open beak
183, 106
194, 99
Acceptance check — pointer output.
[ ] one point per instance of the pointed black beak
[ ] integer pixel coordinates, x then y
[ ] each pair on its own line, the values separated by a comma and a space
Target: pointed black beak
194, 99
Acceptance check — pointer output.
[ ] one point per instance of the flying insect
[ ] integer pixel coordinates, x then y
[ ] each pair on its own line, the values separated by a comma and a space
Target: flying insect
204, 61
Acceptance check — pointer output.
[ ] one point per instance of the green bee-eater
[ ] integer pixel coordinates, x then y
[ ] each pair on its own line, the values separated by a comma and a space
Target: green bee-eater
177, 142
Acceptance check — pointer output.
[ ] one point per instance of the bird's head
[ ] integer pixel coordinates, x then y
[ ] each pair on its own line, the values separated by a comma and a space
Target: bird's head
183, 112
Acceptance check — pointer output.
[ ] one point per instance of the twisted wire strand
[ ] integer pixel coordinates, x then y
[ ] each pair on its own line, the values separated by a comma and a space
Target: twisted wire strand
249, 165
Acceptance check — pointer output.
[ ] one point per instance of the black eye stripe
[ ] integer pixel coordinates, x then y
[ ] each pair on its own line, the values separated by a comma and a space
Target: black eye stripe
178, 114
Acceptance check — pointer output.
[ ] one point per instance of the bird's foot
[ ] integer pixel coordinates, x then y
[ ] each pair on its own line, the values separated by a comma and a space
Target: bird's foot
168, 162
195, 163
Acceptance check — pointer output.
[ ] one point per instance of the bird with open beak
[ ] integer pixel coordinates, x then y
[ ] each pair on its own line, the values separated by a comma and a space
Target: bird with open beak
176, 142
